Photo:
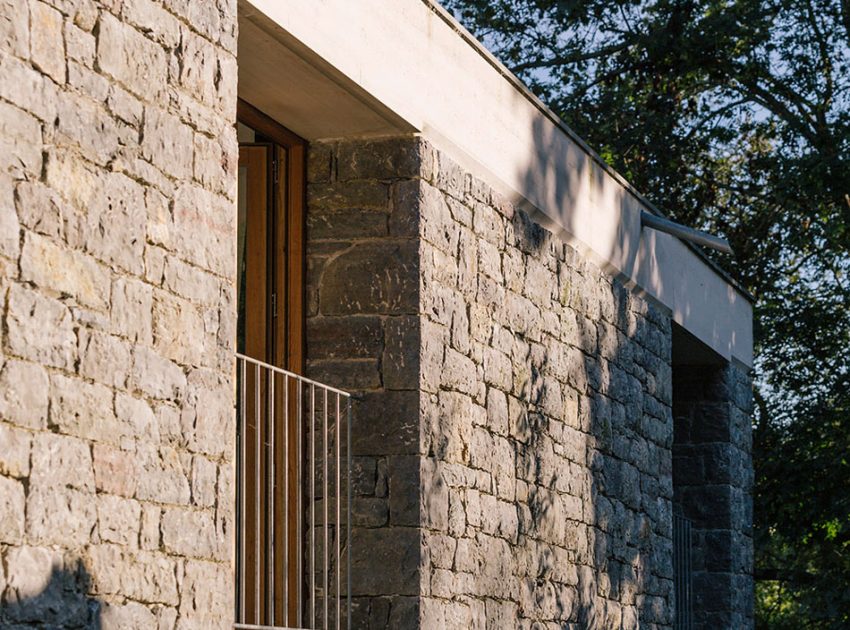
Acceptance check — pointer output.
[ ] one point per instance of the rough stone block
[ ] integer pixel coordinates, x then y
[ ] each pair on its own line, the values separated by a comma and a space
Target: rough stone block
14, 451
115, 470
178, 329
137, 63
161, 476
59, 460
10, 244
396, 550
11, 511
155, 376
84, 409
150, 17
205, 595
379, 159
115, 230
203, 481
47, 44
401, 352
60, 516
140, 575
203, 227
208, 420
24, 394
80, 45
57, 268
20, 141
27, 88
149, 535
83, 123
136, 417
198, 67
40, 328
351, 337
371, 278
386, 423
404, 490
118, 520
460, 373
128, 616
190, 533
363, 194
131, 312
14, 29
104, 358
167, 143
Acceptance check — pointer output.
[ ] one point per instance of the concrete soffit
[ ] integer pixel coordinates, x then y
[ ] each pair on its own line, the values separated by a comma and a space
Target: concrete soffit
336, 68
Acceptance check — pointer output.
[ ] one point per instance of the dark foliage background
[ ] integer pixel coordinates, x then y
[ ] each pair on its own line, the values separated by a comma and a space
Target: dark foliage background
734, 116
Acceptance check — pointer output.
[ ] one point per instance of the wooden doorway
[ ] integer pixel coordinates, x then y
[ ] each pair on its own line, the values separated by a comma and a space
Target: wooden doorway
270, 329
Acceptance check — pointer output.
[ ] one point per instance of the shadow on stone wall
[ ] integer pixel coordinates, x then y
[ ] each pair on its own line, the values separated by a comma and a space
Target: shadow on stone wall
626, 577
60, 601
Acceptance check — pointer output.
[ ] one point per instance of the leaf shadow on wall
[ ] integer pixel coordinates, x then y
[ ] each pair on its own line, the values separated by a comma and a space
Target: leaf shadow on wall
613, 564
60, 600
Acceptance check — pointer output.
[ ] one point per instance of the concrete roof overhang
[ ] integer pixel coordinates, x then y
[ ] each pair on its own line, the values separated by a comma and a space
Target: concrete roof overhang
337, 68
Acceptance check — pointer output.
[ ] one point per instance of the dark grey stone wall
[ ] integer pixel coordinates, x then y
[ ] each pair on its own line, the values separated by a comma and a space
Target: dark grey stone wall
713, 478
363, 335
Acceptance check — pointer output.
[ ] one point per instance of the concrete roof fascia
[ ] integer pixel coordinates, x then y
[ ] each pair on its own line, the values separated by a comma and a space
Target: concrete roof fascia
470, 39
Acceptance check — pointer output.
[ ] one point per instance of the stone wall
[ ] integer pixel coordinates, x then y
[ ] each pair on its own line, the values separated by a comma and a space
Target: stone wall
713, 475
117, 202
513, 429
363, 335
547, 426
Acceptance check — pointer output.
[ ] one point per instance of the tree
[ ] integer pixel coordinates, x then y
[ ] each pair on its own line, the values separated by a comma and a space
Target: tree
734, 116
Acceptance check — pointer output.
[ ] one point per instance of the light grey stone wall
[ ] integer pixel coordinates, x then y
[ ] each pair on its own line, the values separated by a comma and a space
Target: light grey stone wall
546, 422
713, 474
513, 430
117, 204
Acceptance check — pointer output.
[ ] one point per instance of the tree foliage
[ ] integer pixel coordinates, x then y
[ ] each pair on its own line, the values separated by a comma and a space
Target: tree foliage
734, 116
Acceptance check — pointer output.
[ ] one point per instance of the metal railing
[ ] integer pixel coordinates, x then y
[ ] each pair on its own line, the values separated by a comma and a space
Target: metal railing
682, 573
293, 500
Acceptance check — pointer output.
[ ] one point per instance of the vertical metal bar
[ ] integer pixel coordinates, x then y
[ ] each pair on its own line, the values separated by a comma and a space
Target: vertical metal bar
300, 513
689, 577
312, 505
348, 515
257, 493
286, 420
338, 497
241, 470
270, 505
677, 599
325, 499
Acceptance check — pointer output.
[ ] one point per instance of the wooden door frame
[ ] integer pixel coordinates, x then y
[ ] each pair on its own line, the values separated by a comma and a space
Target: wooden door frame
286, 271
291, 179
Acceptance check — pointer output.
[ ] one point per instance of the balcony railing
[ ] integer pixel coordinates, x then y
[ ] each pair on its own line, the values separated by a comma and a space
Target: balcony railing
293, 500
683, 574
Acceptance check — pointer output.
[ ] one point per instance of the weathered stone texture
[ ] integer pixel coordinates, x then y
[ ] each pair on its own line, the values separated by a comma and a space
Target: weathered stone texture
539, 425
713, 474
512, 442
363, 335
117, 194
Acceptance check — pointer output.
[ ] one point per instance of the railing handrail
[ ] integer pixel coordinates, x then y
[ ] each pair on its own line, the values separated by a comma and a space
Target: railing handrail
293, 375
251, 626
322, 426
